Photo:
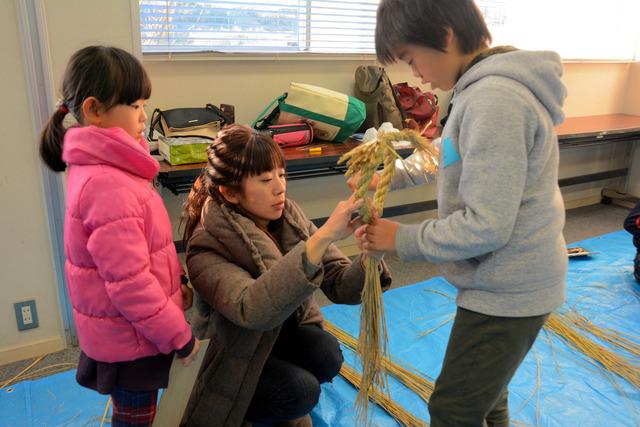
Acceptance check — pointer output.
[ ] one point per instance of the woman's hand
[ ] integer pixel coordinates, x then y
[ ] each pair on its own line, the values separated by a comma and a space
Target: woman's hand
338, 226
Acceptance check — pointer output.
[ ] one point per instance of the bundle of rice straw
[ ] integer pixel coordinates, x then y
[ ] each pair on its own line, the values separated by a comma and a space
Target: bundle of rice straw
365, 160
400, 414
600, 355
413, 380
608, 335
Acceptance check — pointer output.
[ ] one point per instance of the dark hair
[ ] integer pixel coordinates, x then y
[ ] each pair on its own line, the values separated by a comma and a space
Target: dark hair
110, 74
425, 23
238, 152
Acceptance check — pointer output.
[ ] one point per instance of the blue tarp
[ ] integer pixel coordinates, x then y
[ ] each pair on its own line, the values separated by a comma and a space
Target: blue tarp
572, 392
56, 400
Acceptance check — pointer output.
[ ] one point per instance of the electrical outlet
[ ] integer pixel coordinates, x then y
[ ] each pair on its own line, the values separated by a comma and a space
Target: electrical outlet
27, 319
26, 315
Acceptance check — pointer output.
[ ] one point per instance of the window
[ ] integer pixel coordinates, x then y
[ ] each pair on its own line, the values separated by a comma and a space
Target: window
577, 29
319, 26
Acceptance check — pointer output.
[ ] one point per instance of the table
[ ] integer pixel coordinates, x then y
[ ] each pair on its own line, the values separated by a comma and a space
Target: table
300, 164
575, 132
587, 131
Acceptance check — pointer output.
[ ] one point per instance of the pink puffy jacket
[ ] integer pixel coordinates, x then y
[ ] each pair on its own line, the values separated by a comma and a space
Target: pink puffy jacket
122, 268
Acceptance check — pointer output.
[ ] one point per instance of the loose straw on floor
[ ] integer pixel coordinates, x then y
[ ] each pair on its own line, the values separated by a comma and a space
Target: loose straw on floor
45, 371
400, 414
609, 335
17, 377
415, 382
106, 409
602, 356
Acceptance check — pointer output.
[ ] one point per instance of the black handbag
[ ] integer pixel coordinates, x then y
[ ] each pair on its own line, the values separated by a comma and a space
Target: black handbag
202, 122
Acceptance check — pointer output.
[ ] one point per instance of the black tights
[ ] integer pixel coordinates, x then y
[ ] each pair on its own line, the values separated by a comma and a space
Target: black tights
302, 358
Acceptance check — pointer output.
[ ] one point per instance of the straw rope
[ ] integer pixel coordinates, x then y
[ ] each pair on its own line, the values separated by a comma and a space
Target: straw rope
372, 341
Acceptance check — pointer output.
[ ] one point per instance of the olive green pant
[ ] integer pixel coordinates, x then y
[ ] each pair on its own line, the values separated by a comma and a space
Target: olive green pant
482, 356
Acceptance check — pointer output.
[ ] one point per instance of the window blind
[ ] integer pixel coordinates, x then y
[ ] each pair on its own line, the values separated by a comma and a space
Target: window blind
320, 26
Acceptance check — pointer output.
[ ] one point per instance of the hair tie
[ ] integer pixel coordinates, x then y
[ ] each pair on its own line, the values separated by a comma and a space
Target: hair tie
60, 106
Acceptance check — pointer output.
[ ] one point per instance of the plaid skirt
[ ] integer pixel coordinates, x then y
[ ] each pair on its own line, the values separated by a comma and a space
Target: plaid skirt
133, 408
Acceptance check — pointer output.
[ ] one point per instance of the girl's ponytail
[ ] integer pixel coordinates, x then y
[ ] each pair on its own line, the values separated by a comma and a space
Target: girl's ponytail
51, 141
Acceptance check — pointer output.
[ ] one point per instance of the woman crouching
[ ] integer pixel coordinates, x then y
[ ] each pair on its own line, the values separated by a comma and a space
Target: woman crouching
255, 261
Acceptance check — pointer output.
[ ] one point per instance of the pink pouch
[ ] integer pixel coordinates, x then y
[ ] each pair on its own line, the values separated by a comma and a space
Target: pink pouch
291, 135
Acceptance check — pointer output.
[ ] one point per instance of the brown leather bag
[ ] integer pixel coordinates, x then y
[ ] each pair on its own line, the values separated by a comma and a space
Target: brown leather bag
421, 108
373, 87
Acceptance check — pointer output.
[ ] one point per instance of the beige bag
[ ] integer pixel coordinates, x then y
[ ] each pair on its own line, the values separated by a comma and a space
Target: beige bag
374, 88
199, 122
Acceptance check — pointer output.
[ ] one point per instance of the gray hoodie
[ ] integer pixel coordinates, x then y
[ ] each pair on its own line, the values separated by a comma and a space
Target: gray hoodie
500, 212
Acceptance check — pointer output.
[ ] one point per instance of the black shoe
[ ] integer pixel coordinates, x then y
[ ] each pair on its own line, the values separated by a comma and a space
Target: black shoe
636, 267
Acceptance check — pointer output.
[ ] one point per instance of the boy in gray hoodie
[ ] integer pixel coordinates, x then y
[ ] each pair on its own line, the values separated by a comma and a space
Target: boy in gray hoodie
498, 235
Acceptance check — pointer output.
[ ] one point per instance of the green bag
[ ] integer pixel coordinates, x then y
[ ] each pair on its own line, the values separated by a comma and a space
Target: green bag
334, 116
183, 150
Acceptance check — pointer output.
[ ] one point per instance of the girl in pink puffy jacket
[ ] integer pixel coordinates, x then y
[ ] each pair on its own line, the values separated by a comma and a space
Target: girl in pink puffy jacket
122, 270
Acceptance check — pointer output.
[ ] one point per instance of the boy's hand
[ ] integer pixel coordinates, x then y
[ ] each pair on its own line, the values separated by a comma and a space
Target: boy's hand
379, 236
186, 361
187, 297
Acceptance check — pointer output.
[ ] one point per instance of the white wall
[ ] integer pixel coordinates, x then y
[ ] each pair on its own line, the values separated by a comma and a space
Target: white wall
25, 257
595, 88
25, 250
73, 24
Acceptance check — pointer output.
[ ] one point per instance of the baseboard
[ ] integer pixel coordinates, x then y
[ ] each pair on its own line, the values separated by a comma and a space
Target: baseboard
27, 351
621, 199
585, 201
